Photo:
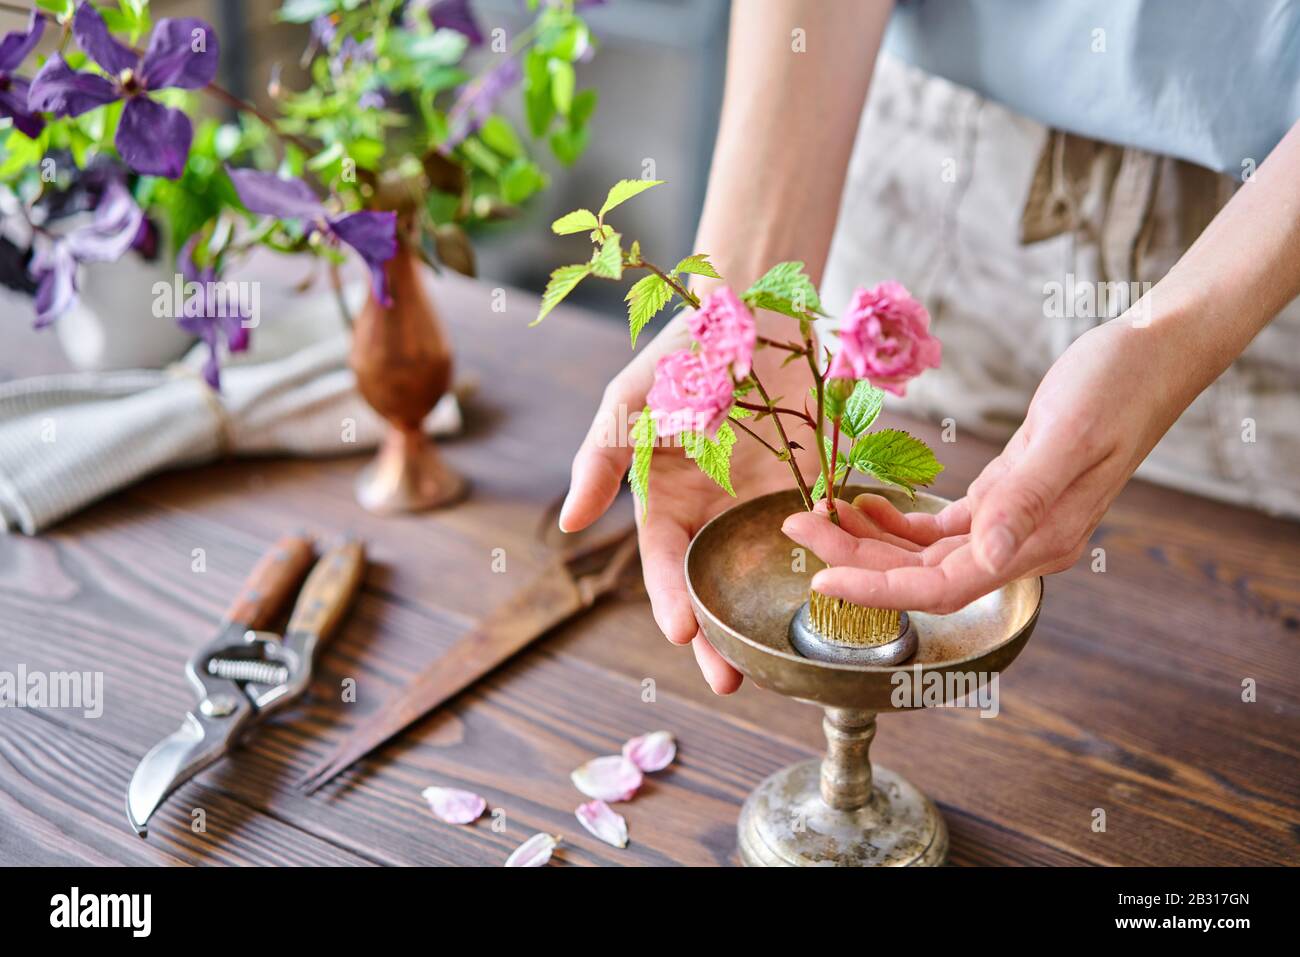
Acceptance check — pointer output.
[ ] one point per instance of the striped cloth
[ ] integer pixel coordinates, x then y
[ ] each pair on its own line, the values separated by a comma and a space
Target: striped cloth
67, 440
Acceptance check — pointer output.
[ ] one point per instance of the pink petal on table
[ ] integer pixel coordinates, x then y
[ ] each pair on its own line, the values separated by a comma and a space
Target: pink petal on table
454, 806
534, 852
611, 778
603, 822
651, 752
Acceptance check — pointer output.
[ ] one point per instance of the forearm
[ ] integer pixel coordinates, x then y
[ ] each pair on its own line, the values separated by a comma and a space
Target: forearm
787, 128
1241, 271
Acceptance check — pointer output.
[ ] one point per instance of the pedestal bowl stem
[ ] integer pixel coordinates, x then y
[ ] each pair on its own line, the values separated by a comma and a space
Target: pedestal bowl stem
846, 769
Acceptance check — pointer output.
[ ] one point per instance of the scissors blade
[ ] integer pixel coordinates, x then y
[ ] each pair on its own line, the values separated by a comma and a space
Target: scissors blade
175, 759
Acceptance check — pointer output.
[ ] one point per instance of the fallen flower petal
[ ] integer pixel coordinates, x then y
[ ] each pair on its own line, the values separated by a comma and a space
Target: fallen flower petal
611, 778
455, 806
534, 852
651, 752
603, 822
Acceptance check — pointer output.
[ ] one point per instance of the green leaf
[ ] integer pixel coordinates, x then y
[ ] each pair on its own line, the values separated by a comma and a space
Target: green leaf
738, 413
896, 458
861, 409
713, 456
624, 190
500, 135
785, 288
577, 221
607, 262
697, 265
539, 107
562, 282
644, 300
520, 180
563, 80
304, 11
60, 8
643, 441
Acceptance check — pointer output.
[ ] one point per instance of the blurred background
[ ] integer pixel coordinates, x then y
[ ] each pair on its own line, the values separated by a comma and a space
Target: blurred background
676, 48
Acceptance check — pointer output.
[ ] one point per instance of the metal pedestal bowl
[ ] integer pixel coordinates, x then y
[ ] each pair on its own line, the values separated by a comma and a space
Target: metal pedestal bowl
746, 581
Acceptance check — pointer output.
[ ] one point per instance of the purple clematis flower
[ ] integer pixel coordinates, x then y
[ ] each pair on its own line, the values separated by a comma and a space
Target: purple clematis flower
151, 138
371, 233
211, 320
13, 90
479, 98
456, 15
114, 229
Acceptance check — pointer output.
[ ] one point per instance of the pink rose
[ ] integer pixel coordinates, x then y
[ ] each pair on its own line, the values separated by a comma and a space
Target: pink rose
885, 338
725, 330
689, 393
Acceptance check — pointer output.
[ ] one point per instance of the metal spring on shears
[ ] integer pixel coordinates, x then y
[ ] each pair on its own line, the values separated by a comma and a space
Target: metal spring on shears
247, 669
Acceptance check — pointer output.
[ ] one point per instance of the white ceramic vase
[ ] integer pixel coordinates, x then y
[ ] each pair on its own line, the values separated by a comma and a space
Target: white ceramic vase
112, 325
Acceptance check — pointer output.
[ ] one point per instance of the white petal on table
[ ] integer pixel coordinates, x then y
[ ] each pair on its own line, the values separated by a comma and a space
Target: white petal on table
453, 805
611, 778
534, 852
651, 752
603, 822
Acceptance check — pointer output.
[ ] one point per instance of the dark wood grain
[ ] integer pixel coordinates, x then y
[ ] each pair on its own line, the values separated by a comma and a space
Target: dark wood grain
1127, 699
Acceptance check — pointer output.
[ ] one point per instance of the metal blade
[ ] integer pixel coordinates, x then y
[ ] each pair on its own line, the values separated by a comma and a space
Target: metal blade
176, 758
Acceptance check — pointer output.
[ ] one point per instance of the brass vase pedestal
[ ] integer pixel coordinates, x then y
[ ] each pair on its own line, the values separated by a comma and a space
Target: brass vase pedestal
401, 357
840, 810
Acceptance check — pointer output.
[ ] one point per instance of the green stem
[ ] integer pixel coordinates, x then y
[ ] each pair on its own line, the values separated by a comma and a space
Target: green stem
828, 472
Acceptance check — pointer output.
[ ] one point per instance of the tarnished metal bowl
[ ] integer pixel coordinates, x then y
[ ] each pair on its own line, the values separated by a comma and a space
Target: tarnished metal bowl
747, 579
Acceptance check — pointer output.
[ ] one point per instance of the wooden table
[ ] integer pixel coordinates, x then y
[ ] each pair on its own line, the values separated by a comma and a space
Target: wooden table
1127, 699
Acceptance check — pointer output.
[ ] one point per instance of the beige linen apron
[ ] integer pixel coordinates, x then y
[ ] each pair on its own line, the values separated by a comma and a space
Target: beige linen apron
1003, 228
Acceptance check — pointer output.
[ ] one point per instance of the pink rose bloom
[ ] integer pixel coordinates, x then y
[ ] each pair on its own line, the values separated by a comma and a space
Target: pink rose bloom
689, 393
725, 330
885, 338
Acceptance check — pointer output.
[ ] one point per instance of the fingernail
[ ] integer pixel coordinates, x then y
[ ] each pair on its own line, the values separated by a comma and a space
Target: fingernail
564, 510
998, 547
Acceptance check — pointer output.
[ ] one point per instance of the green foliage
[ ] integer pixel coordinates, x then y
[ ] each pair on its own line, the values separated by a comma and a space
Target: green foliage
578, 221
698, 265
896, 458
645, 299
861, 409
624, 190
562, 282
713, 456
643, 442
607, 260
787, 289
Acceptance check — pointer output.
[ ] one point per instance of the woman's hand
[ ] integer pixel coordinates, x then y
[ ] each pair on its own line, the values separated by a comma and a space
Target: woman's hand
1097, 413
682, 499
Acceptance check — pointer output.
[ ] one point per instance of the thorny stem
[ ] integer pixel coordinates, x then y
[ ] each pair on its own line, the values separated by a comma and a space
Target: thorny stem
785, 444
761, 441
798, 414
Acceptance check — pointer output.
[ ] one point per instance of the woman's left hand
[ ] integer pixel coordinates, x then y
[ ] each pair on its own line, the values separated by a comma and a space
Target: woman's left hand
1097, 413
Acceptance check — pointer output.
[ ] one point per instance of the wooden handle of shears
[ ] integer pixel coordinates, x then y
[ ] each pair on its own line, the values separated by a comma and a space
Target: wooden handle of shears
329, 590
273, 579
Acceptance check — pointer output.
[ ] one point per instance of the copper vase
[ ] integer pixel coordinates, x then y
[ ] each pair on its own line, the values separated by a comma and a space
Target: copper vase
402, 360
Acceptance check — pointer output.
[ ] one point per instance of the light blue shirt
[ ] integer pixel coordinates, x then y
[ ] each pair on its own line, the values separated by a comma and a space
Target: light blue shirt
1214, 82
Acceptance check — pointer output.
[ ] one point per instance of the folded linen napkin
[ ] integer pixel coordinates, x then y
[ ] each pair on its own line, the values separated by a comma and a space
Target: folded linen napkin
67, 440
